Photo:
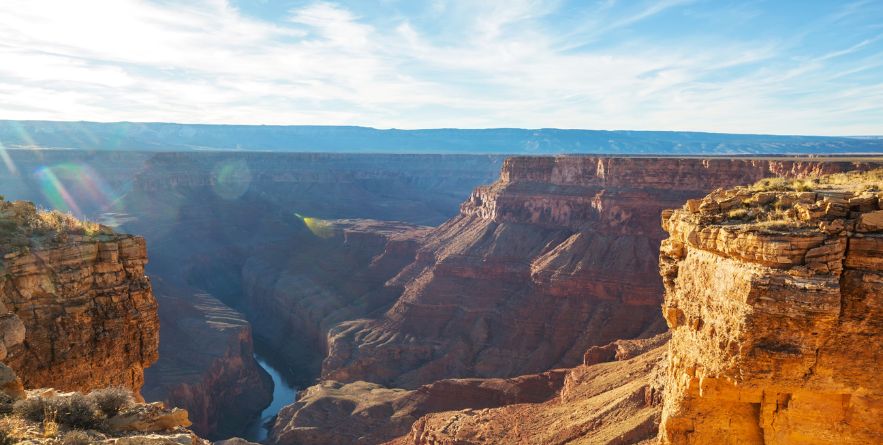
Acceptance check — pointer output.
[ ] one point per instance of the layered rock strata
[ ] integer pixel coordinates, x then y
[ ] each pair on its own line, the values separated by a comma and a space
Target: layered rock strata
79, 289
615, 402
774, 296
367, 413
557, 256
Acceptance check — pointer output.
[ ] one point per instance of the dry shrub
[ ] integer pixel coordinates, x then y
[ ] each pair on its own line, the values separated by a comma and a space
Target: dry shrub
75, 410
76, 437
32, 409
111, 401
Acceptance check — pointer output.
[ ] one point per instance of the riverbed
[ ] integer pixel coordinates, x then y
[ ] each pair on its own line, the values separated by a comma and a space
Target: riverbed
284, 393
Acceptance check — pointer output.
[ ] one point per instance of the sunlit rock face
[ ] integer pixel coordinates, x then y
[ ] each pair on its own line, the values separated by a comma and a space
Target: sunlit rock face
88, 312
775, 301
558, 255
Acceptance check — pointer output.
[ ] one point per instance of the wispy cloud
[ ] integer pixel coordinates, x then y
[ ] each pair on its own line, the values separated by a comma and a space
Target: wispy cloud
670, 64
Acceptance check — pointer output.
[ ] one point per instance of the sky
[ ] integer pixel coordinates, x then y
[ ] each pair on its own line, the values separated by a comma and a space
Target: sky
777, 66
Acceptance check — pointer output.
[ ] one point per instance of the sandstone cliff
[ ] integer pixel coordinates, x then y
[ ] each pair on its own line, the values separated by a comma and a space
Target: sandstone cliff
558, 255
773, 296
80, 291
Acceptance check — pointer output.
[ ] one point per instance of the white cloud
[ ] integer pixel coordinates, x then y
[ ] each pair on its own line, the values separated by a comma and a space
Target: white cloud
485, 64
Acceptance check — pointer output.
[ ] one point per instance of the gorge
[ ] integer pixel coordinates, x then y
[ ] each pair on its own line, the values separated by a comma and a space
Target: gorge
402, 316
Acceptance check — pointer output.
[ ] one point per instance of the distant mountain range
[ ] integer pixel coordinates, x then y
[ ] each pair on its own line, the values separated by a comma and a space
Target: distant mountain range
309, 138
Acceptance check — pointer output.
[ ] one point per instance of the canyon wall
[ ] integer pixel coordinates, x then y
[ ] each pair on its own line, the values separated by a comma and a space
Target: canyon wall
209, 368
89, 315
774, 297
333, 272
557, 256
88, 311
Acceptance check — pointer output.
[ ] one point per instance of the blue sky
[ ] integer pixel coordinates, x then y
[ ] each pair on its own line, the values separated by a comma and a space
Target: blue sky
782, 67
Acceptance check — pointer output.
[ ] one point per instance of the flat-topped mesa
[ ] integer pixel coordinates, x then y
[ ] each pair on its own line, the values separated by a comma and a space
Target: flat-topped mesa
80, 290
774, 295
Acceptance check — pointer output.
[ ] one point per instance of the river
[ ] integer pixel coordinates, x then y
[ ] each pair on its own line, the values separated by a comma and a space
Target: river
284, 393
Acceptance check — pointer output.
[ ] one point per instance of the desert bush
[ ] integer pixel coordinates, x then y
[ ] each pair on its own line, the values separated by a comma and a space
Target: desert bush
111, 401
6, 403
76, 410
32, 409
76, 437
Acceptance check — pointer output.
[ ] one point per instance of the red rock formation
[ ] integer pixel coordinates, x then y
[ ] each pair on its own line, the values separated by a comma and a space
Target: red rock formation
89, 315
557, 256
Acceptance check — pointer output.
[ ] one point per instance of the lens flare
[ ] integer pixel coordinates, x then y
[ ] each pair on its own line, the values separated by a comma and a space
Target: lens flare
55, 192
10, 166
230, 179
316, 226
77, 188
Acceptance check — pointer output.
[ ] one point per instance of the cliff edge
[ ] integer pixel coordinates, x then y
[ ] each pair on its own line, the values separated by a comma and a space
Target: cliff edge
774, 296
79, 289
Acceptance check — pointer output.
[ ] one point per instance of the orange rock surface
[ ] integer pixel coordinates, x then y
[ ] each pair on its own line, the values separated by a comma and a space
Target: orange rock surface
89, 315
774, 296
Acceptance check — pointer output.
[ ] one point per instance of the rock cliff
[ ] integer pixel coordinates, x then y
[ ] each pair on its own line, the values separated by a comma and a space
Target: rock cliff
774, 297
89, 317
560, 254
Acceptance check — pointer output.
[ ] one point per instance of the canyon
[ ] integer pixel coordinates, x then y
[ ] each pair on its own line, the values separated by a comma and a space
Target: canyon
413, 316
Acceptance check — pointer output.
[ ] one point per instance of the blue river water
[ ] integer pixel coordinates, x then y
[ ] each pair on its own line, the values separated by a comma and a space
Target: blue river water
284, 393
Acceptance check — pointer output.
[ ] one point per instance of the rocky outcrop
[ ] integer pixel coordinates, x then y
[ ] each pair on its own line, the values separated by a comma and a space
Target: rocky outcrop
557, 256
773, 296
80, 292
367, 413
210, 370
614, 402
